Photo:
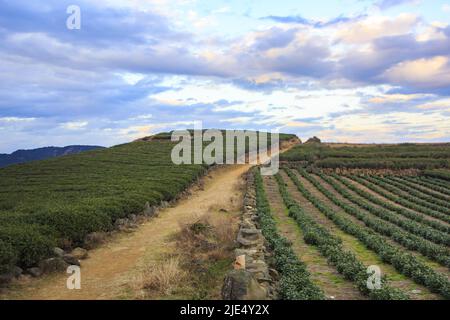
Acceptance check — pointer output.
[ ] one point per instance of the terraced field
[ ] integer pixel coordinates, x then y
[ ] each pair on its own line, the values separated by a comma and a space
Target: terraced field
341, 221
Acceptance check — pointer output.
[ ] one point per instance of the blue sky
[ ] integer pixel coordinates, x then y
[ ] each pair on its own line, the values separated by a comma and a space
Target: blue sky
348, 70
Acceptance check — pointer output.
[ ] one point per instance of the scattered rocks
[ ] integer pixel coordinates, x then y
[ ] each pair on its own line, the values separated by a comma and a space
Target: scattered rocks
94, 239
6, 278
71, 260
53, 265
80, 253
34, 272
58, 252
17, 272
149, 211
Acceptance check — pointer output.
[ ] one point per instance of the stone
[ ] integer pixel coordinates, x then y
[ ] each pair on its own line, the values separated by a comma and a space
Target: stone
58, 252
274, 274
6, 278
259, 269
149, 211
34, 272
223, 210
79, 253
94, 239
17, 271
121, 222
71, 260
240, 285
239, 263
416, 291
53, 265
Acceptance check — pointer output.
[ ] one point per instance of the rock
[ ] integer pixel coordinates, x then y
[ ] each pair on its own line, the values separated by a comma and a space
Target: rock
274, 274
259, 270
58, 252
239, 263
149, 211
240, 285
53, 265
164, 204
94, 239
34, 272
416, 291
6, 278
313, 140
121, 222
71, 260
223, 210
79, 253
17, 271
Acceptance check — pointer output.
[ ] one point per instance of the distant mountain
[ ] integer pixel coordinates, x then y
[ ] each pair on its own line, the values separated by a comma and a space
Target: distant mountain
21, 156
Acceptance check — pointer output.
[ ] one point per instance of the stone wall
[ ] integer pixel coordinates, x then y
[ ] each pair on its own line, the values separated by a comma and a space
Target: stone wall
252, 278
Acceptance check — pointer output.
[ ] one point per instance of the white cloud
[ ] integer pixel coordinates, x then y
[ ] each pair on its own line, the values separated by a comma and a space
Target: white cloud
75, 125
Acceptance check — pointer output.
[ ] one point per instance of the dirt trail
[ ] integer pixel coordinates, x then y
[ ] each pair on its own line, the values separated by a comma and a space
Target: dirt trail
110, 269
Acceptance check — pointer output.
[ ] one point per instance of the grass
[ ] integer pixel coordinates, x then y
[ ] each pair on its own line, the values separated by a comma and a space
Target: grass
58, 202
403, 156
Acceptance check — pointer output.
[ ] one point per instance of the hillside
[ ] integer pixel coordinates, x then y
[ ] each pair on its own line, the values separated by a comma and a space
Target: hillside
59, 201
22, 156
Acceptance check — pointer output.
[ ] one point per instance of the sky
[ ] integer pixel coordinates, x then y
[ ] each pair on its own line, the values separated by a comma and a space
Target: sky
371, 71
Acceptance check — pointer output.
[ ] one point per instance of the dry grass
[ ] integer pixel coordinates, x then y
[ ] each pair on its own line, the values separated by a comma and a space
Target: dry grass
211, 237
163, 278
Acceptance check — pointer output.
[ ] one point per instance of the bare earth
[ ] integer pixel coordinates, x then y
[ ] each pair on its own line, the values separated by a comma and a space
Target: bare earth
111, 268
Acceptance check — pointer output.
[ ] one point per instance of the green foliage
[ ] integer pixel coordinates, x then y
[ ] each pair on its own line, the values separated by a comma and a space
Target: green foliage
443, 188
331, 247
409, 239
432, 201
44, 203
61, 200
25, 243
8, 257
404, 263
401, 156
295, 283
430, 193
404, 199
440, 174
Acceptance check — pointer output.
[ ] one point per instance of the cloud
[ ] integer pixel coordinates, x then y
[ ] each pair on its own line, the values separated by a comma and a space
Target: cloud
422, 73
386, 4
140, 66
314, 23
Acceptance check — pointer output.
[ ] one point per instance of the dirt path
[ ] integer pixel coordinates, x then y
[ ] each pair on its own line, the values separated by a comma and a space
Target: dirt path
110, 269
